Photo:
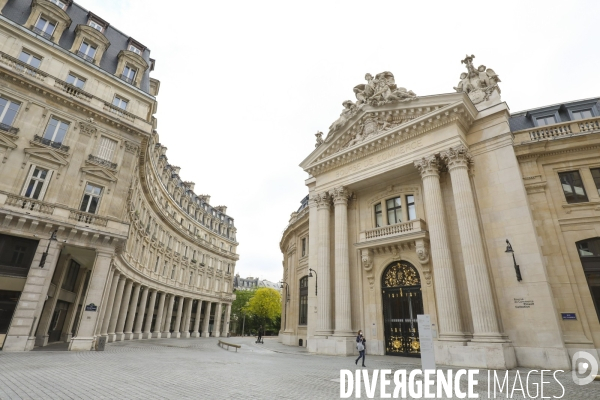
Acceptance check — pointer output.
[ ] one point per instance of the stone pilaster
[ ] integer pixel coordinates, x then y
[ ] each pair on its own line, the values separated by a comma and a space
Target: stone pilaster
178, 318
147, 332
109, 303
485, 322
42, 336
226, 322
323, 201
343, 314
196, 333
139, 319
205, 325
114, 315
128, 333
66, 334
217, 326
167, 329
449, 319
123, 311
159, 313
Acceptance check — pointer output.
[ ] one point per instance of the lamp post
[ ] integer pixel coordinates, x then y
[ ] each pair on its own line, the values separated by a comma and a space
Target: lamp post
310, 271
45, 254
287, 298
509, 249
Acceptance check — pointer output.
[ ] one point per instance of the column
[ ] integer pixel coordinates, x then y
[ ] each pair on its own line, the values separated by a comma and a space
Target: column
147, 334
139, 319
167, 328
195, 333
109, 303
186, 320
343, 314
217, 325
206, 324
159, 312
70, 318
133, 305
178, 317
449, 319
227, 318
324, 306
96, 290
485, 322
123, 311
114, 314
41, 338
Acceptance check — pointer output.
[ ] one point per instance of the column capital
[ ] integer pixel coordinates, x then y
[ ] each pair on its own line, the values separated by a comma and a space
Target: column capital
322, 200
428, 166
457, 157
341, 195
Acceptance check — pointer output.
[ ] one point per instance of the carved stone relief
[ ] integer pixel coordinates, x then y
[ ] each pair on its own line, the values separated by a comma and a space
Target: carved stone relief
478, 83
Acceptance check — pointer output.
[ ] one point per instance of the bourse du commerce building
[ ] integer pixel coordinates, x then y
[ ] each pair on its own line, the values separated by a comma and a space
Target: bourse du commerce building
449, 205
100, 239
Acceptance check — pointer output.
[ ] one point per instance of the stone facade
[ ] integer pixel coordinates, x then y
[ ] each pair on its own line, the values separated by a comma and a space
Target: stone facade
412, 202
100, 237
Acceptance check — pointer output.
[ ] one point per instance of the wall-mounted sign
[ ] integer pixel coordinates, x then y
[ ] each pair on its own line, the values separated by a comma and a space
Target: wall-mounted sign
523, 303
91, 307
568, 315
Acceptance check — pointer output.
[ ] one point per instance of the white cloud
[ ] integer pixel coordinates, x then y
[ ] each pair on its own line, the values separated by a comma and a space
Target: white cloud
245, 85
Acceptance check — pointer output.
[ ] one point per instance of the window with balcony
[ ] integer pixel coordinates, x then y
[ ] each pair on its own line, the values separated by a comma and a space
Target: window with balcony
303, 306
44, 27
91, 199
87, 51
55, 132
394, 210
75, 80
378, 216
410, 207
572, 186
582, 114
8, 112
128, 74
31, 59
547, 120
119, 102
36, 183
596, 175
96, 26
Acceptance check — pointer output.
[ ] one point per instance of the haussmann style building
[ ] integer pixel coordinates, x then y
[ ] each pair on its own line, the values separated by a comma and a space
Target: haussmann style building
100, 239
417, 205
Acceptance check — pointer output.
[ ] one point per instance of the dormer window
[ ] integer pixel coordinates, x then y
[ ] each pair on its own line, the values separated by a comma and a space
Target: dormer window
87, 51
96, 26
128, 74
59, 3
44, 27
134, 49
582, 114
547, 120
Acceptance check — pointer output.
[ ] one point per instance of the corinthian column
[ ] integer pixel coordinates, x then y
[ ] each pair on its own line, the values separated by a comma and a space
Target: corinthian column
485, 322
449, 320
343, 315
323, 201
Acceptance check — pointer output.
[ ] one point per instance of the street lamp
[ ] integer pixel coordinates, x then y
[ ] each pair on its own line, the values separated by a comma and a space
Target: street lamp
310, 271
509, 249
45, 254
287, 298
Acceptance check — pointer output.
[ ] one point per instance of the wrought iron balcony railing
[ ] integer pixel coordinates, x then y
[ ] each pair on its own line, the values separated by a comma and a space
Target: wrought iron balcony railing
50, 143
103, 162
10, 129
42, 33
85, 56
127, 79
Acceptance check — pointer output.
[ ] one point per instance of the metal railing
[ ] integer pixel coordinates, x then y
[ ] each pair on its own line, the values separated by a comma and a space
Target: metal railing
10, 129
50, 143
88, 218
85, 56
28, 204
102, 162
127, 79
42, 33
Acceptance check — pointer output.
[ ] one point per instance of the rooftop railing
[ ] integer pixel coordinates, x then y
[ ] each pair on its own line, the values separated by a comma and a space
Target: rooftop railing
557, 131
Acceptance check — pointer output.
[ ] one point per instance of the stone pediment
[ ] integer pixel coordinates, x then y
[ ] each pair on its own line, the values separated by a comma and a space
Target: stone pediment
376, 128
99, 173
46, 154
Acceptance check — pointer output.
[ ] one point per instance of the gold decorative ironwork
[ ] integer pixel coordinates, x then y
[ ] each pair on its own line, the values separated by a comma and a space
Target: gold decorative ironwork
401, 274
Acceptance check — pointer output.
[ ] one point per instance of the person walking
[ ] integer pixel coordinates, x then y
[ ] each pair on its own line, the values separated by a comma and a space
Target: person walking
260, 333
361, 346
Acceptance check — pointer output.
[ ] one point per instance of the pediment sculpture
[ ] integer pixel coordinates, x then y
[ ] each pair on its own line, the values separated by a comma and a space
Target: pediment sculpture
478, 83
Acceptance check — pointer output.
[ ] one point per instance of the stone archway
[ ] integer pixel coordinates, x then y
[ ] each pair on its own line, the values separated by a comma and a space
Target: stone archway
402, 302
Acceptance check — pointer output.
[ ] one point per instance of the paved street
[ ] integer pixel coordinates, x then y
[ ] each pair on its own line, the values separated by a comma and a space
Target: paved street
199, 369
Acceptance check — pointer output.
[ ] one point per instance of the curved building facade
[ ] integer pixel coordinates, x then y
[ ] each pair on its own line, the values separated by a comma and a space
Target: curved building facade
99, 236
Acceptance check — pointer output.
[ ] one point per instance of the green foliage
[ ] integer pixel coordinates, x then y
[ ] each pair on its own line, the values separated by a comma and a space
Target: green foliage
265, 304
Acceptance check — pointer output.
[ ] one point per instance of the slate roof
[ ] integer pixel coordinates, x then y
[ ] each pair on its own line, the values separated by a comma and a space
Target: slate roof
523, 120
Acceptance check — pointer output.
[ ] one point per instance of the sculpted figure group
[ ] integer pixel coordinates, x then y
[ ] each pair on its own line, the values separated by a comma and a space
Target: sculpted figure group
478, 83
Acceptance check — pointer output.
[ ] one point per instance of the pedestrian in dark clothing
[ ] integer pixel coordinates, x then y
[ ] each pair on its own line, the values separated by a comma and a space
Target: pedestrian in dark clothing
361, 346
260, 333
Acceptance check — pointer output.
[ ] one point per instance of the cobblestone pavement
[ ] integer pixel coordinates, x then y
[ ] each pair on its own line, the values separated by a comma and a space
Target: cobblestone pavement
199, 369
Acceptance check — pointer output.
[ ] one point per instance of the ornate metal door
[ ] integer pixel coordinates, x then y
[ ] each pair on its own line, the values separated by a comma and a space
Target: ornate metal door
402, 302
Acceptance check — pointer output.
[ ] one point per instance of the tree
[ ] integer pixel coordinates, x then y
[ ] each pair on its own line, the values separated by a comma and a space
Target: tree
265, 307
242, 297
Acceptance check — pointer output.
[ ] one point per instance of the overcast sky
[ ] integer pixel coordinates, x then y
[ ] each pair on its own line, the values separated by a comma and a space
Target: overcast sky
246, 84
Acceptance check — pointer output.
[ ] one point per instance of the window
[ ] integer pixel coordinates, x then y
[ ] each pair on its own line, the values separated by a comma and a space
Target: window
191, 277
59, 3
96, 26
582, 114
16, 255
378, 216
596, 175
548, 120
394, 210
303, 312
87, 51
173, 273
128, 74
572, 186
36, 183
303, 247
134, 49
410, 206
106, 151
165, 269
30, 59
156, 265
75, 80
91, 199
55, 131
44, 27
8, 112
119, 102
71, 277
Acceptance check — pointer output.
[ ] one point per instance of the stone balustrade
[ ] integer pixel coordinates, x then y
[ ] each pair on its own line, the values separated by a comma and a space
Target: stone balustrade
403, 228
28, 204
557, 131
88, 218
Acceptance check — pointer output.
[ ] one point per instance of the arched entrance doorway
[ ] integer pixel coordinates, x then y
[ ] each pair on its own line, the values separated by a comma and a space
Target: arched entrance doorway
402, 302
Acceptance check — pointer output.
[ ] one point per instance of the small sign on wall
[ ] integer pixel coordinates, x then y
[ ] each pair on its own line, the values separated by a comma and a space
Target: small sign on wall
91, 307
568, 315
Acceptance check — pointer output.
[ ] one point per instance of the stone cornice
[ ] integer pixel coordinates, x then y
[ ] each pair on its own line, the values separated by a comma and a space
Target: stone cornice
536, 154
301, 218
456, 112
